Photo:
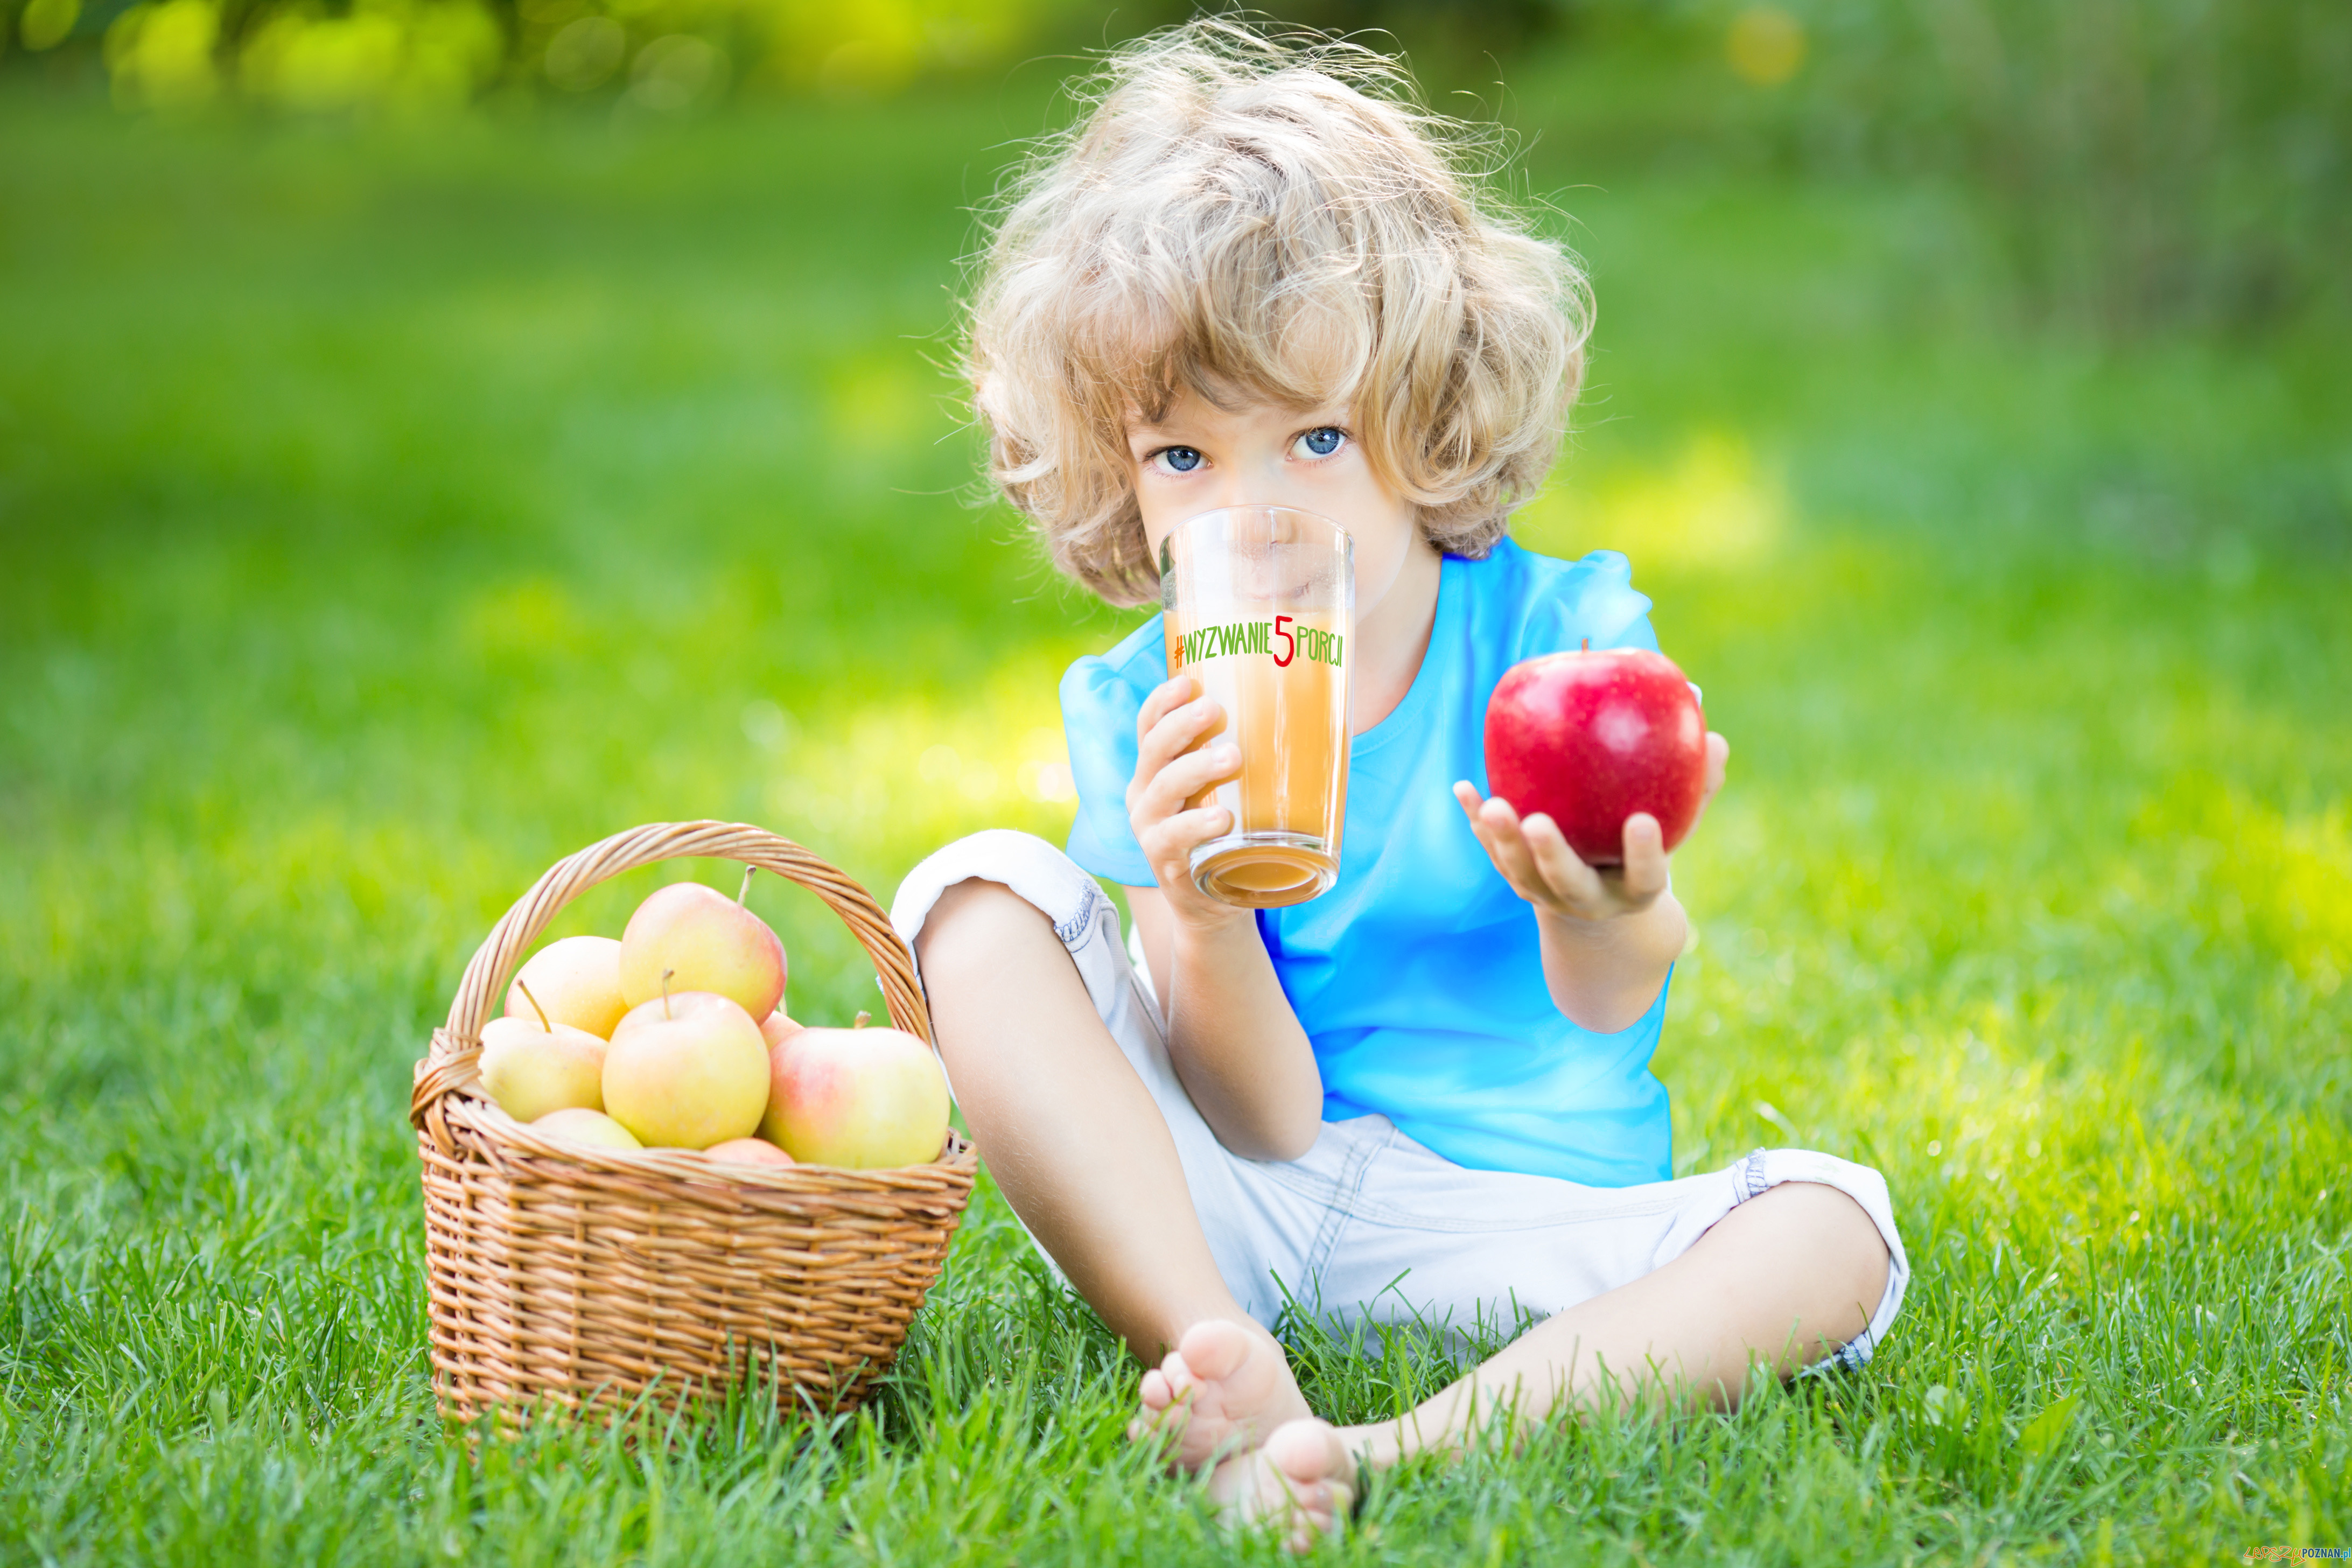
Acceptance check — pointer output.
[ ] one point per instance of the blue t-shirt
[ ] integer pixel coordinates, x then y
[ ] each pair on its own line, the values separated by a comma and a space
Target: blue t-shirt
1418, 978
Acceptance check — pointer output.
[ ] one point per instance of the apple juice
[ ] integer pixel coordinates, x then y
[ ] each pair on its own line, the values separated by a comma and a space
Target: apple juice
1258, 605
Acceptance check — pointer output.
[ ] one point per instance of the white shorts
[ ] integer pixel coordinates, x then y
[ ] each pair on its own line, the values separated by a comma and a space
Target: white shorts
1369, 1227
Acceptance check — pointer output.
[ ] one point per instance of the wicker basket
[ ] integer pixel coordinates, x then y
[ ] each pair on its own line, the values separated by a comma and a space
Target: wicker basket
572, 1276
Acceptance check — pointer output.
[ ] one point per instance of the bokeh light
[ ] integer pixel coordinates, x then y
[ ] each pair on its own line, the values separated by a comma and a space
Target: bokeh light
1765, 45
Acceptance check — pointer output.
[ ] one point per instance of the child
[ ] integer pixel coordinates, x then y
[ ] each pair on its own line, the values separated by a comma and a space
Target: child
1254, 273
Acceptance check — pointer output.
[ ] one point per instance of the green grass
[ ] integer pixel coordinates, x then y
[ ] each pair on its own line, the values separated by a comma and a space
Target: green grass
382, 518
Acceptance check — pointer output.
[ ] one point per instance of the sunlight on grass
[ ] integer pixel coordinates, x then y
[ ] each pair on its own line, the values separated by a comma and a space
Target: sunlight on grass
914, 774
1712, 508
2257, 874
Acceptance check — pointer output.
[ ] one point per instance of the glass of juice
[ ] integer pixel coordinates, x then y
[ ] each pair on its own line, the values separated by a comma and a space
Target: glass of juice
1260, 604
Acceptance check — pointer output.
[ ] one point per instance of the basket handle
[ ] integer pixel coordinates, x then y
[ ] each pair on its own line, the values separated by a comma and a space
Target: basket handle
450, 1065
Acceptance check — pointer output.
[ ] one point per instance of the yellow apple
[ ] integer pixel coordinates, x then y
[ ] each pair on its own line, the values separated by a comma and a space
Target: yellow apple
531, 1070
685, 1072
577, 981
862, 1098
703, 942
748, 1152
582, 1126
775, 1028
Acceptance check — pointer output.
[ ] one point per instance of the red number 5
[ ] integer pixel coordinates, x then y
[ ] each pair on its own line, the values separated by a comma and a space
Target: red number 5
1289, 643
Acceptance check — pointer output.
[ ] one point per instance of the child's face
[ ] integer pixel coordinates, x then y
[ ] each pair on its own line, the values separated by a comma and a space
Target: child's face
1199, 458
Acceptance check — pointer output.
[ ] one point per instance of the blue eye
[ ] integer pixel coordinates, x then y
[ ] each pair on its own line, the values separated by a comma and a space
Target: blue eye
1182, 459
1322, 443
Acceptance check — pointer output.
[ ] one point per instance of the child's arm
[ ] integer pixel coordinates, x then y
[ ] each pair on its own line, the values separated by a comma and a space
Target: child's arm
1608, 936
1232, 1036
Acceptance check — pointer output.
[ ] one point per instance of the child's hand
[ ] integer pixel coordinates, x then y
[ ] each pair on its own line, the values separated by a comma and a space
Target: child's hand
1535, 860
1168, 777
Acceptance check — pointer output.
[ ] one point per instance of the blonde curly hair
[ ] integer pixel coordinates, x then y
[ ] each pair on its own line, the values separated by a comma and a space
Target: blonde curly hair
1266, 218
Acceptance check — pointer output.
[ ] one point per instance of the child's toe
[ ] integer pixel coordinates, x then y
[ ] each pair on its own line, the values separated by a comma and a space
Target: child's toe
1155, 1392
1305, 1475
1308, 1452
1213, 1350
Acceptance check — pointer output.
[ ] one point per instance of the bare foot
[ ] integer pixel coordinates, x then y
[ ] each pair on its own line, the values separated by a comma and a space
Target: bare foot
1303, 1475
1224, 1388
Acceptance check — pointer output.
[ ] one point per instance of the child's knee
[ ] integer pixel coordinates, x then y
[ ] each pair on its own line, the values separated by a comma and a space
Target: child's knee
972, 928
1830, 1229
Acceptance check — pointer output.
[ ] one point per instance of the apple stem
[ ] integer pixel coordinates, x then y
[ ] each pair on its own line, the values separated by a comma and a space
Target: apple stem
744, 892
535, 1007
1588, 644
666, 975
862, 1020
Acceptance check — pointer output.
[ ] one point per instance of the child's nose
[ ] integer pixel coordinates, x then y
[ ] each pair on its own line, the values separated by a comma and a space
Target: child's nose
1239, 486
1263, 483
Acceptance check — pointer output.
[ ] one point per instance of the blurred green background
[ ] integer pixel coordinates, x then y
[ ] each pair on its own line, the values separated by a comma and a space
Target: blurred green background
2142, 162
434, 437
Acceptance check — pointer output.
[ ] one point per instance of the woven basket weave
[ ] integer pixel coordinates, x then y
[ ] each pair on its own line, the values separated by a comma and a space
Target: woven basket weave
568, 1276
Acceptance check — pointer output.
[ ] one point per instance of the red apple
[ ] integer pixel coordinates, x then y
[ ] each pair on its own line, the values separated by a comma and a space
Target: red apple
1590, 738
704, 941
779, 1031
861, 1098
